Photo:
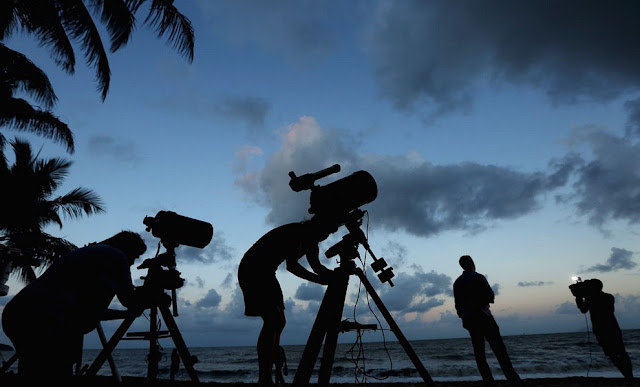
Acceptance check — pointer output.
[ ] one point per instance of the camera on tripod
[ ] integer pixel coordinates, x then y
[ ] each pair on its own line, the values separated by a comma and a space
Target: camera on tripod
173, 230
585, 288
337, 204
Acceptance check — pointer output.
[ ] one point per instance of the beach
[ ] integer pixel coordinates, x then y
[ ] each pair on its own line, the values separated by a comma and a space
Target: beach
11, 379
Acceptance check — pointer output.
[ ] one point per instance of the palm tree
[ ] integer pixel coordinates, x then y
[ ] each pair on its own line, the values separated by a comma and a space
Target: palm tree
57, 22
17, 72
28, 206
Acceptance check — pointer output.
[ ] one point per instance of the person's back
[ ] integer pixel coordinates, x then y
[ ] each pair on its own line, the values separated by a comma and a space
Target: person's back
472, 295
273, 248
46, 320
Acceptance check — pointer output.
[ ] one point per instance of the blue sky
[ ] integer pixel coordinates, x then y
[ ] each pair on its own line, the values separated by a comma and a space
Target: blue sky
506, 132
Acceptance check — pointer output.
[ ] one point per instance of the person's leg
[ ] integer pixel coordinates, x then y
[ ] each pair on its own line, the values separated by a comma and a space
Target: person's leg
615, 350
268, 341
477, 340
623, 363
500, 351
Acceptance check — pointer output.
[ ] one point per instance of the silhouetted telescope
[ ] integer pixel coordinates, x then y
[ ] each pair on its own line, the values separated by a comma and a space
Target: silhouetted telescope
174, 229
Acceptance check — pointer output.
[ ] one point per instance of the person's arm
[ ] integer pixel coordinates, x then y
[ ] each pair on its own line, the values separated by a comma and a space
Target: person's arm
490, 296
320, 275
456, 299
312, 255
582, 304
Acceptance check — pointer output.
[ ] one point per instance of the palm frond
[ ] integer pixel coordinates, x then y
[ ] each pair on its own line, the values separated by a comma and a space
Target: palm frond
16, 68
41, 18
79, 202
20, 115
77, 20
8, 18
119, 20
164, 16
51, 172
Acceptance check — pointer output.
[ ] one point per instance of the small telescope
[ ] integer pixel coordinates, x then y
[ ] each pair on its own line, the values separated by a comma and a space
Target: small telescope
174, 230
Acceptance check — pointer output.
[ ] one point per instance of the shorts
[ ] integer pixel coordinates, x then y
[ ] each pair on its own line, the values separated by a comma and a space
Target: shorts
261, 291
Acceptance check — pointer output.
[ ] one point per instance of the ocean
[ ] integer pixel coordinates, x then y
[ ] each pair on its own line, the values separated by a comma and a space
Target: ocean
533, 356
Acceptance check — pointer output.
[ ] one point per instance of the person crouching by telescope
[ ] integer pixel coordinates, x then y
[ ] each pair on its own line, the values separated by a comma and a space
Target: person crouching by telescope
590, 298
261, 289
47, 319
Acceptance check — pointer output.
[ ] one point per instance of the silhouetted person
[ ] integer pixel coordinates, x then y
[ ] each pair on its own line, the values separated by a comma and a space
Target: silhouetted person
473, 295
604, 324
175, 364
262, 293
281, 365
47, 319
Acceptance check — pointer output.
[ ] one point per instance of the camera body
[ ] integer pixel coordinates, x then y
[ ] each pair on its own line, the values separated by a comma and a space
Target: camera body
585, 288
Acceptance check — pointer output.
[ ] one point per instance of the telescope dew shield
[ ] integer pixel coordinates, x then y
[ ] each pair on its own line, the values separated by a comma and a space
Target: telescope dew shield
344, 195
180, 230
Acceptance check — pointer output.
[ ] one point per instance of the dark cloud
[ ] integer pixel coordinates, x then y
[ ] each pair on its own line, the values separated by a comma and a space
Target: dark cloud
215, 252
199, 282
396, 253
496, 289
310, 292
117, 148
526, 284
620, 259
435, 198
606, 187
302, 31
228, 281
417, 292
467, 196
432, 55
210, 300
567, 308
252, 110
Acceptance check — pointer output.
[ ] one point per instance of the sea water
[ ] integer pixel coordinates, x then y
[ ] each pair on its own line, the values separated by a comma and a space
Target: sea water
533, 356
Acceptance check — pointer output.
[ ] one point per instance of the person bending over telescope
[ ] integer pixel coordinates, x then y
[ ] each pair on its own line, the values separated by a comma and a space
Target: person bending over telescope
261, 289
590, 298
47, 319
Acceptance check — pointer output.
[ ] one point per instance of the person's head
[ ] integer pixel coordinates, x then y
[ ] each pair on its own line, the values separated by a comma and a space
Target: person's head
466, 263
129, 242
318, 229
595, 286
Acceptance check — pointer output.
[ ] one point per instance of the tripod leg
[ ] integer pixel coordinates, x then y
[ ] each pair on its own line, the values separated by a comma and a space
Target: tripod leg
179, 343
396, 330
106, 351
112, 364
317, 335
331, 339
154, 348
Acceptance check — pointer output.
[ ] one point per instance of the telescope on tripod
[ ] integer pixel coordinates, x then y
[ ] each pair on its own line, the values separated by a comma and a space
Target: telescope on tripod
338, 203
162, 275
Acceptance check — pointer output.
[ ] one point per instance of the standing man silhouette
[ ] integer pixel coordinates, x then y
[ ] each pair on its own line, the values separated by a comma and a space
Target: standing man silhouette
473, 295
604, 324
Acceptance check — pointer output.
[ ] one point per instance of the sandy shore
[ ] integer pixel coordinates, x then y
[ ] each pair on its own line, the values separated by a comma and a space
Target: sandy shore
12, 380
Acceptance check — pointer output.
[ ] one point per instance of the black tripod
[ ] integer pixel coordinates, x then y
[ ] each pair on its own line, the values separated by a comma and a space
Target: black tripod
328, 321
156, 281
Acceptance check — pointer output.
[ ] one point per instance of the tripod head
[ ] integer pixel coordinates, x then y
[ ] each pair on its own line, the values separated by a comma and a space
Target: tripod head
347, 248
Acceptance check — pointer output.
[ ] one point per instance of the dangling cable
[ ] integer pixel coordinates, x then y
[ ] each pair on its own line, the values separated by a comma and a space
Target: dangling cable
361, 369
588, 343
